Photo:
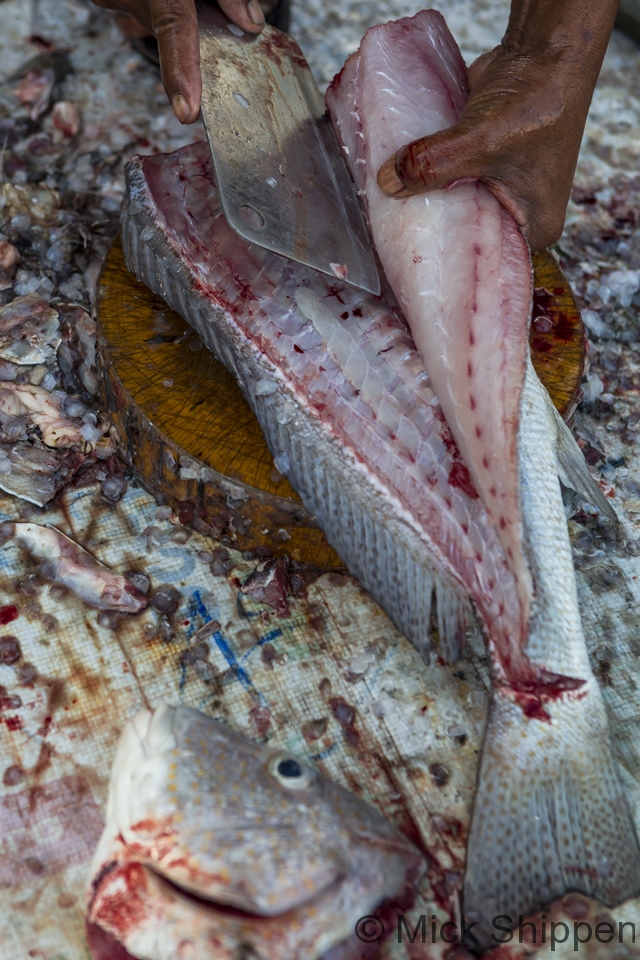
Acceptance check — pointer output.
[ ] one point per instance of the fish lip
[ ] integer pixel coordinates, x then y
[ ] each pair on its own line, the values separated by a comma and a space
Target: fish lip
233, 909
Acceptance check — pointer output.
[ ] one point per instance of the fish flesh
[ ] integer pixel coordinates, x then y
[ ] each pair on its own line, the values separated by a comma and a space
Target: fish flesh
236, 849
44, 410
342, 397
549, 814
398, 482
455, 259
65, 562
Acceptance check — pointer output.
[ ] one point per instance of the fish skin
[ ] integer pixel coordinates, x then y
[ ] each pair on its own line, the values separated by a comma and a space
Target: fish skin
549, 815
470, 317
66, 563
194, 803
341, 395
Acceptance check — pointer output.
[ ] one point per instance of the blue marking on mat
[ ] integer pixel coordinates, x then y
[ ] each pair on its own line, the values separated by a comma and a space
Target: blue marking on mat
223, 646
324, 753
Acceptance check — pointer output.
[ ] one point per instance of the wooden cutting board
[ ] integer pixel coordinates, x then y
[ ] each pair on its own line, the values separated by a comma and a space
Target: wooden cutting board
178, 410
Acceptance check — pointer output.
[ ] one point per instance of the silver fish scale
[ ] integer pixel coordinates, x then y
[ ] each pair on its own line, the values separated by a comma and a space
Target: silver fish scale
403, 457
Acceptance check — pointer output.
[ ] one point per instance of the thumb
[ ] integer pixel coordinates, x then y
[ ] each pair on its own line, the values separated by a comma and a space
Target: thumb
431, 163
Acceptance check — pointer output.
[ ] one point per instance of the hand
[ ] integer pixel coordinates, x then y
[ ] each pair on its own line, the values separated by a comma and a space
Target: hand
521, 129
174, 24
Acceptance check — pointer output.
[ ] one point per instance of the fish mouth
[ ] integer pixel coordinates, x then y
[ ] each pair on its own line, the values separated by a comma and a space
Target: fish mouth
104, 944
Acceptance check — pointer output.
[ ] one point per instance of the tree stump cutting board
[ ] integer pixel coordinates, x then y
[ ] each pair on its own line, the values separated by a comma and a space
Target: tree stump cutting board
193, 441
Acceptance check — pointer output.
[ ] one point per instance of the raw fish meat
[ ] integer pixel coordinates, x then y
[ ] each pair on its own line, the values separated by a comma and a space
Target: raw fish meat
341, 395
66, 563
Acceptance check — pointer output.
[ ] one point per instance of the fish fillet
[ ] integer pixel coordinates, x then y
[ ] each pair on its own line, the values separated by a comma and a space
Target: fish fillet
341, 394
455, 259
550, 815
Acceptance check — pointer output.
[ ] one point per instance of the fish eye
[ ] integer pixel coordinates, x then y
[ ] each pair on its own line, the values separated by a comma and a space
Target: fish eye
289, 772
289, 768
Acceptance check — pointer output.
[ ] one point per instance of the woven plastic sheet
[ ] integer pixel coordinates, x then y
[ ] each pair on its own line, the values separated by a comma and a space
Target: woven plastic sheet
398, 733
403, 735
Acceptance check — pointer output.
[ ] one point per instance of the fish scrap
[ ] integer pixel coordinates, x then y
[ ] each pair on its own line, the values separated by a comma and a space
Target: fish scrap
66, 563
235, 848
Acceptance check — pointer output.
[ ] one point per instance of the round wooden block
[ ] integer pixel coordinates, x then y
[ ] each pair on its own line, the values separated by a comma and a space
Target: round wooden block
192, 439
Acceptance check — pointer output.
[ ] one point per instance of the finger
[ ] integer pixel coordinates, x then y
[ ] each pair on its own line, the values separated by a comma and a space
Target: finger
479, 65
246, 13
175, 25
433, 162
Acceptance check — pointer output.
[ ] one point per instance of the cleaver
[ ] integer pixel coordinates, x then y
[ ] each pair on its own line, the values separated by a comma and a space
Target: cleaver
280, 172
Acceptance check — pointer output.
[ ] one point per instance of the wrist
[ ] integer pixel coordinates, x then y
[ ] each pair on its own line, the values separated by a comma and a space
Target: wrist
577, 31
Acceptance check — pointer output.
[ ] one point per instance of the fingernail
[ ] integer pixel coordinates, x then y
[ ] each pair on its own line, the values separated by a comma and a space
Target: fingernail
181, 107
255, 13
389, 181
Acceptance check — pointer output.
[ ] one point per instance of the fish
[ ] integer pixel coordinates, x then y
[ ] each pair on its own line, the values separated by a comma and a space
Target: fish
65, 562
341, 394
215, 845
549, 815
44, 410
370, 408
469, 320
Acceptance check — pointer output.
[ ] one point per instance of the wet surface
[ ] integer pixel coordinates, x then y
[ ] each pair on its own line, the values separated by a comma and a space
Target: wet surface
320, 672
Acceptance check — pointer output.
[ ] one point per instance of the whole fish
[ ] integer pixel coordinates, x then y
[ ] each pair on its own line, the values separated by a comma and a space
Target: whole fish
65, 562
550, 815
216, 846
416, 503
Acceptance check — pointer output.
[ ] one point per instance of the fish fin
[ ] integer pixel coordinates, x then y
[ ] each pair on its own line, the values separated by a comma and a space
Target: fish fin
453, 614
573, 470
550, 815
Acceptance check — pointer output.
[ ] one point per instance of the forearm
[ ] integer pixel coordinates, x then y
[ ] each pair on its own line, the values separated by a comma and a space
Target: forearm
545, 26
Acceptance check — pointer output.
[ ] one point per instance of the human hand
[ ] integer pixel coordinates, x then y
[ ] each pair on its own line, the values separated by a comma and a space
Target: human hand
174, 23
521, 128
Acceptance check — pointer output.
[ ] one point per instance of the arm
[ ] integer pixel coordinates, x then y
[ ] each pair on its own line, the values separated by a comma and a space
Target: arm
521, 129
175, 26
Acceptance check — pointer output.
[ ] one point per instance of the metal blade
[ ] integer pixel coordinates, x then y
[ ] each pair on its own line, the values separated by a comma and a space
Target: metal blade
282, 178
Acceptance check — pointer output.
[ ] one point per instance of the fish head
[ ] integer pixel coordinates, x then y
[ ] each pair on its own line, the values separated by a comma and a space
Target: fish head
240, 824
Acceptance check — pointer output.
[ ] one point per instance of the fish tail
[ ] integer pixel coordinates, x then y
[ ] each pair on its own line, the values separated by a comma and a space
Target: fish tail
550, 815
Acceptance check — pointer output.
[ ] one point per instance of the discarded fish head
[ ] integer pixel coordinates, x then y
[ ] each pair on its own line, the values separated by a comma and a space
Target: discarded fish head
263, 841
